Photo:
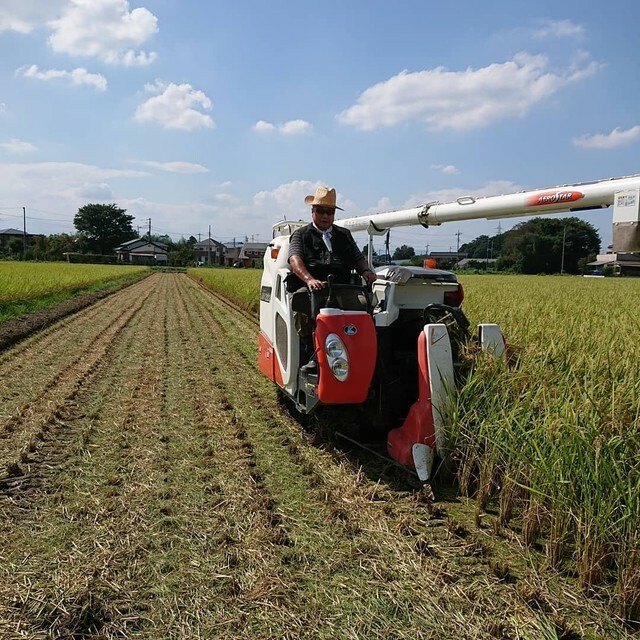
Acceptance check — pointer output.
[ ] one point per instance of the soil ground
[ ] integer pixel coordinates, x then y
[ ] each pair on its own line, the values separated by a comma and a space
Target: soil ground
151, 486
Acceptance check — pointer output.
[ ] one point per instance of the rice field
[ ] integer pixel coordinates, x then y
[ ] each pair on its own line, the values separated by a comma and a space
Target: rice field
555, 439
240, 285
21, 281
550, 442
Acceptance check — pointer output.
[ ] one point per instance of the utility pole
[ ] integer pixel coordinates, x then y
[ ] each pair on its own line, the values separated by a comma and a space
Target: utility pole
458, 248
564, 236
209, 248
24, 233
149, 229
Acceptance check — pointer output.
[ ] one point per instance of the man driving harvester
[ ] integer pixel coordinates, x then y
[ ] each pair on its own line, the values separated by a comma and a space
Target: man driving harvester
321, 249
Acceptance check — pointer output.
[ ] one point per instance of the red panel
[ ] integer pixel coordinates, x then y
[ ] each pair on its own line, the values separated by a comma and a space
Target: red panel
358, 334
418, 427
267, 360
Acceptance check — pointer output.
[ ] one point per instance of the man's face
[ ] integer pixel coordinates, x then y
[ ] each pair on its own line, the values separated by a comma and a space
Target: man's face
322, 217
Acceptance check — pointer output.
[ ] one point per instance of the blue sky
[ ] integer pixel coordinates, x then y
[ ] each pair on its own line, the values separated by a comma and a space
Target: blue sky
224, 115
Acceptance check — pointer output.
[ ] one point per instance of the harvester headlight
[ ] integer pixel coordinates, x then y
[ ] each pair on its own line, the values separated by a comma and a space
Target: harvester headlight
337, 356
334, 347
340, 369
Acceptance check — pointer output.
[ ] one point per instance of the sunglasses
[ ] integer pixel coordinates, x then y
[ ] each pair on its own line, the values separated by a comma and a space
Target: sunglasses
324, 211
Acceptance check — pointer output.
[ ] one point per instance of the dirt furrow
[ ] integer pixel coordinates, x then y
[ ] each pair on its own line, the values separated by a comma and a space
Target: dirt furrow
35, 403
74, 532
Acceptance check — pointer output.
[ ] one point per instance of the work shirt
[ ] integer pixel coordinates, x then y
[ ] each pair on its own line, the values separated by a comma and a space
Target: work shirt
309, 244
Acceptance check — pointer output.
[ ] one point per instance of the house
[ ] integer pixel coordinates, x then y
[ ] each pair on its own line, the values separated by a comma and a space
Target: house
142, 251
624, 264
209, 251
446, 258
6, 235
232, 253
252, 254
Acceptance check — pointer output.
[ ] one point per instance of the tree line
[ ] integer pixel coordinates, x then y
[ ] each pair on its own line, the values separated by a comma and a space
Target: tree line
100, 229
539, 245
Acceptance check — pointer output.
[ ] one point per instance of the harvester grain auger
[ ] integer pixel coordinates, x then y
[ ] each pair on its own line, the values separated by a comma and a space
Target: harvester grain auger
396, 358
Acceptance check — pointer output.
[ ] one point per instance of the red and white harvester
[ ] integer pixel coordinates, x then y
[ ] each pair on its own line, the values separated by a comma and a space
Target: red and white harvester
397, 358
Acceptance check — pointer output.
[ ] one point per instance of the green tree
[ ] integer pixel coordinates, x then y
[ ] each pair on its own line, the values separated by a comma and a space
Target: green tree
104, 227
181, 253
484, 247
403, 253
15, 248
548, 245
163, 239
54, 247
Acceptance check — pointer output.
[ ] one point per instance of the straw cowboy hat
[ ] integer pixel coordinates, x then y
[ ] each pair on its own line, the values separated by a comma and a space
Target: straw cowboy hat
324, 197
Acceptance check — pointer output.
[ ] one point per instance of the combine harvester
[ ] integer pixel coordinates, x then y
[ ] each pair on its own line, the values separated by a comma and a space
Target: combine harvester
397, 359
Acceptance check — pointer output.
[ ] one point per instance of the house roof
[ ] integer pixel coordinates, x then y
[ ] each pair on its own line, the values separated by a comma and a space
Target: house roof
12, 232
622, 263
466, 261
139, 242
135, 245
208, 242
253, 249
447, 254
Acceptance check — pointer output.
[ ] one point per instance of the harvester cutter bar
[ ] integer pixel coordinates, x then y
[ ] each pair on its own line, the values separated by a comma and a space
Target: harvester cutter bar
386, 458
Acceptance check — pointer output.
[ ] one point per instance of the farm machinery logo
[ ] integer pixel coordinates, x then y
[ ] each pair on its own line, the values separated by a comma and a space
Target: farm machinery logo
553, 197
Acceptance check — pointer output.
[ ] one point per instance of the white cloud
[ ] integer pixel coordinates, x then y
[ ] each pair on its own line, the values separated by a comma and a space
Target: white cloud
175, 107
286, 198
59, 187
617, 138
460, 100
289, 128
263, 126
447, 169
91, 192
225, 197
295, 127
174, 167
77, 76
105, 29
558, 29
19, 147
24, 16
494, 188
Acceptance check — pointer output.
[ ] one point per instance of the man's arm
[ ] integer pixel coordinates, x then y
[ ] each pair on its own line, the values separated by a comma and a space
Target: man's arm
363, 268
300, 269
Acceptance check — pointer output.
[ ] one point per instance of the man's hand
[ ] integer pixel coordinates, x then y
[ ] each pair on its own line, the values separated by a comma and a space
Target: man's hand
369, 276
315, 285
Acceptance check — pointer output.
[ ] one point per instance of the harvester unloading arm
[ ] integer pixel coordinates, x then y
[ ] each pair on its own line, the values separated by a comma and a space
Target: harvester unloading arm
575, 198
